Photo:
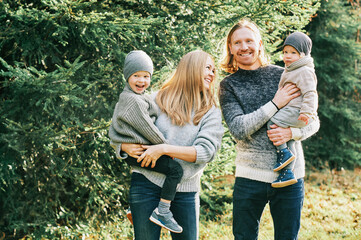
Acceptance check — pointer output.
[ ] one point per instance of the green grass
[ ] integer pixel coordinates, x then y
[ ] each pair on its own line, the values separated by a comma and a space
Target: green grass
332, 210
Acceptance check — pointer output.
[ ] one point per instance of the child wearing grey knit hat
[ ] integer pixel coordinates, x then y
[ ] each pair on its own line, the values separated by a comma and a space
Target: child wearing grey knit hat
136, 61
300, 41
133, 122
300, 111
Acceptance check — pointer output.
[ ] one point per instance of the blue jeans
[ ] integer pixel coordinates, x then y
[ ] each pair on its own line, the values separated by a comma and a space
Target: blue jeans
249, 199
144, 198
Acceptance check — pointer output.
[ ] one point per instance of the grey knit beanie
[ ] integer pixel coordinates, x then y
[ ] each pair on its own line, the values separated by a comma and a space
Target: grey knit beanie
300, 41
135, 61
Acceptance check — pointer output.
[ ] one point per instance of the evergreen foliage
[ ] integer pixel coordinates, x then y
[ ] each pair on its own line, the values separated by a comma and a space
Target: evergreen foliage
337, 53
60, 76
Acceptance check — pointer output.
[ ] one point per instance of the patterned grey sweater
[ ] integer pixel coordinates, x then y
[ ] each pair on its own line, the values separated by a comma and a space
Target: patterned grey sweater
245, 102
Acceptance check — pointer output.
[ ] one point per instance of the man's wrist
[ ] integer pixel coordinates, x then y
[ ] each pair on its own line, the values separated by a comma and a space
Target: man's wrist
275, 105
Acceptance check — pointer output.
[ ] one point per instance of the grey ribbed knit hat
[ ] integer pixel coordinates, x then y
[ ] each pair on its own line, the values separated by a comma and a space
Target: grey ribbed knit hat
300, 41
135, 61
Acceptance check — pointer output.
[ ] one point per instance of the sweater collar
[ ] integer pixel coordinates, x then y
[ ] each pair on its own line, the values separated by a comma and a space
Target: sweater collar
251, 72
305, 61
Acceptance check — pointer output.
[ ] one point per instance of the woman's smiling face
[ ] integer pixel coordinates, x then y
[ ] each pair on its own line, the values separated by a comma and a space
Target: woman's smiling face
209, 73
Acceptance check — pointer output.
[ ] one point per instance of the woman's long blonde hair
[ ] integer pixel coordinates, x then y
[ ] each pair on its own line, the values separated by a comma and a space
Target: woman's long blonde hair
184, 94
228, 63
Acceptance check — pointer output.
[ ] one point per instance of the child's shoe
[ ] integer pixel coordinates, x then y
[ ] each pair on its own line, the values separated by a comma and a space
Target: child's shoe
165, 220
284, 179
129, 216
284, 157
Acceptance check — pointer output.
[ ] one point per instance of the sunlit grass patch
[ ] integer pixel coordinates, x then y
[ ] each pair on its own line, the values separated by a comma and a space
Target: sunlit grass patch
332, 210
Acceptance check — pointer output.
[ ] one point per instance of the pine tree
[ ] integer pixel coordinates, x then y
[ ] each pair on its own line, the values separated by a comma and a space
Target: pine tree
337, 53
60, 77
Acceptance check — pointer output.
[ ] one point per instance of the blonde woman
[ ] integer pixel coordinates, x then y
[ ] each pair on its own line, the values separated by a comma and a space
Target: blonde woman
192, 126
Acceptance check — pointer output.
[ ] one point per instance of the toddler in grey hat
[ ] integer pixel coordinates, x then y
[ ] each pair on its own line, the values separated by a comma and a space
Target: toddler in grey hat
300, 111
300, 41
133, 122
136, 61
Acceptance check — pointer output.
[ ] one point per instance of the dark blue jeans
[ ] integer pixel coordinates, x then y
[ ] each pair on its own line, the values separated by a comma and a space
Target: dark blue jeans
249, 199
144, 198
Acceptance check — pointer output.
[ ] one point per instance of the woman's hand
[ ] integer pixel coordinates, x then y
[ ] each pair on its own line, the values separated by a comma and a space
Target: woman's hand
285, 94
133, 150
151, 154
279, 135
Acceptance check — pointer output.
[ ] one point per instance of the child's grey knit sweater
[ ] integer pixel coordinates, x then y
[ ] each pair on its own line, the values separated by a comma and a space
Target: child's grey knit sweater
206, 137
133, 120
245, 99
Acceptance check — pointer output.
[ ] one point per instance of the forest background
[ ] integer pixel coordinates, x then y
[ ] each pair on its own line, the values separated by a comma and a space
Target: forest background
61, 73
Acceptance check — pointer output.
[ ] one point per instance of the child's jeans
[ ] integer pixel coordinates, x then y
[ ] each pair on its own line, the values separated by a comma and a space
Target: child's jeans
166, 165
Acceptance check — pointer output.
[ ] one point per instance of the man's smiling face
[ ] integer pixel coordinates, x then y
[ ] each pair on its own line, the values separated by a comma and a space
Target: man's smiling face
245, 48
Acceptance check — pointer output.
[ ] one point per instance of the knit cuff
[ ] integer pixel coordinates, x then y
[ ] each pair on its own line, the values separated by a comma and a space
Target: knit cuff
275, 105
269, 109
118, 150
296, 133
202, 155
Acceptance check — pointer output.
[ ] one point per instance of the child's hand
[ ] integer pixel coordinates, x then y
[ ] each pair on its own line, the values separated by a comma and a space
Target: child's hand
133, 150
303, 118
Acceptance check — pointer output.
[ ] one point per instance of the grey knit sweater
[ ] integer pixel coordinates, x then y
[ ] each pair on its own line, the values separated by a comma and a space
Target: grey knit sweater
245, 102
133, 120
206, 137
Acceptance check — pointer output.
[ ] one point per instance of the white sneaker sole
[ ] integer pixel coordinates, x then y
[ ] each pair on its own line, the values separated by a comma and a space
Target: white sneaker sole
284, 184
156, 221
284, 164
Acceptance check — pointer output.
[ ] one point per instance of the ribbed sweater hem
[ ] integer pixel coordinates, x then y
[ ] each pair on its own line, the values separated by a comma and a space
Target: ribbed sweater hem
263, 175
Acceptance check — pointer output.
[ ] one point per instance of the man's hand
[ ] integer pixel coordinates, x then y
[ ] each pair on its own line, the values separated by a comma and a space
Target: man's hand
285, 94
279, 135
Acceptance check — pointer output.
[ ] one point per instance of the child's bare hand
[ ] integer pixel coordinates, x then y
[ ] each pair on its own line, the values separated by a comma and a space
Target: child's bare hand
133, 150
303, 118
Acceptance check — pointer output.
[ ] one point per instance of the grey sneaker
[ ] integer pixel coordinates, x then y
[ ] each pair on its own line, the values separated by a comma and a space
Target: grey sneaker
167, 221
